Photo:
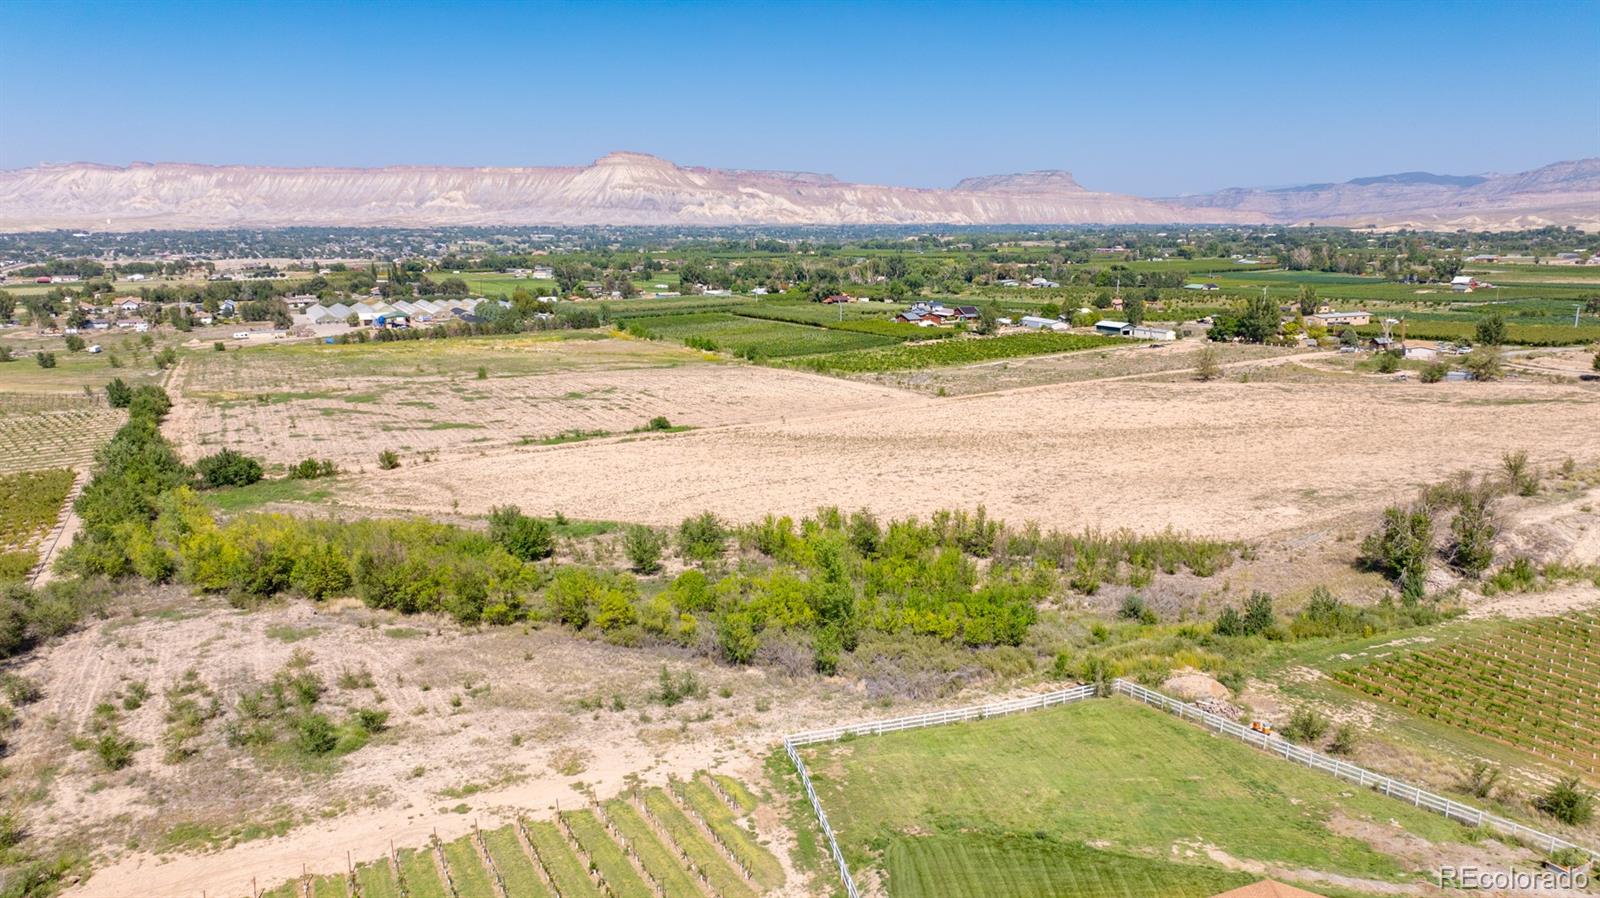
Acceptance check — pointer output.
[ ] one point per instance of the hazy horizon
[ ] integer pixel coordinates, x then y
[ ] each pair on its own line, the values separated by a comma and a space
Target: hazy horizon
1151, 99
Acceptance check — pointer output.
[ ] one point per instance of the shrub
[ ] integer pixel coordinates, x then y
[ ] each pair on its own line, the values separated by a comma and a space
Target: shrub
1344, 740
659, 422
1400, 548
312, 469
114, 749
526, 538
1257, 618
118, 393
149, 401
1483, 363
702, 537
1567, 802
372, 720
45, 359
1481, 779
1206, 366
1435, 372
388, 460
673, 690
315, 734
643, 546
227, 468
1387, 362
1521, 477
1472, 533
1134, 608
483, 373
219, 346
74, 343
1306, 726
166, 358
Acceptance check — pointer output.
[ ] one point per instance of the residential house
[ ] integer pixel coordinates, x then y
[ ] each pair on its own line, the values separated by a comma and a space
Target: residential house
1042, 282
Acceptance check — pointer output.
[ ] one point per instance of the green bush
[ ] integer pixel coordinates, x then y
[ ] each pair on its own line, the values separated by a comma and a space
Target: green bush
1435, 372
643, 546
1401, 547
388, 460
312, 469
1306, 726
118, 393
315, 734
227, 468
529, 539
702, 537
74, 343
1568, 802
45, 359
166, 358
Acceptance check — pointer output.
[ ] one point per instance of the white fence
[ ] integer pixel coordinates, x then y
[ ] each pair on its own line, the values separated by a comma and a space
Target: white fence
915, 721
1389, 786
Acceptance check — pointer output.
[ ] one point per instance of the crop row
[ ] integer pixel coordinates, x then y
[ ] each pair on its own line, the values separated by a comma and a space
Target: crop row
1531, 685
1520, 334
913, 356
30, 502
751, 337
686, 843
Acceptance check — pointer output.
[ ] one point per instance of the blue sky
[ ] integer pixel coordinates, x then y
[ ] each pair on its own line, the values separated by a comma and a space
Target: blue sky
1141, 97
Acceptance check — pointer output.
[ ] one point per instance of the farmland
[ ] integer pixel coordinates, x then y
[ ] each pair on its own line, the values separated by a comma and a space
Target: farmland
30, 502
954, 352
528, 855
1013, 451
1531, 685
1015, 807
347, 403
42, 431
752, 338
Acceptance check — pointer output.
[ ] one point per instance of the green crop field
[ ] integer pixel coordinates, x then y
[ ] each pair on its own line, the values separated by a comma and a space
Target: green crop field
30, 502
1534, 685
911, 356
1016, 808
1518, 334
751, 337
53, 431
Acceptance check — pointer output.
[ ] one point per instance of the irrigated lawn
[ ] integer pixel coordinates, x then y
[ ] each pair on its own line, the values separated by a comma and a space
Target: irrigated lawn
1018, 801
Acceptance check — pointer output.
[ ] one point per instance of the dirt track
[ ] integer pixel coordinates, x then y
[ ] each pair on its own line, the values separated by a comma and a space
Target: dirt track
1224, 459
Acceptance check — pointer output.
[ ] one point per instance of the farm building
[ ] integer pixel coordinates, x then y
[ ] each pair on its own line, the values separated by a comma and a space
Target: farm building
1034, 322
1136, 331
1339, 319
1463, 283
1206, 286
1042, 282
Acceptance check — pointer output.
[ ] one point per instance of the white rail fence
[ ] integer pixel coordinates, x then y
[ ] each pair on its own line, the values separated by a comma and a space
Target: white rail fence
916, 721
1389, 786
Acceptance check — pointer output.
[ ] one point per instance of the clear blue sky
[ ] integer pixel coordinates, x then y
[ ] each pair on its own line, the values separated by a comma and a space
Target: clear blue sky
1140, 97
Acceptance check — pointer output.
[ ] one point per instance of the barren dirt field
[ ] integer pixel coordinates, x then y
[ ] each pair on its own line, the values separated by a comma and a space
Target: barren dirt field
348, 403
1222, 459
479, 723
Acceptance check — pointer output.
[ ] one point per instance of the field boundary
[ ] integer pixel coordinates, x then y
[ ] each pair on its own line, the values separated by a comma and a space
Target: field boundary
793, 742
1387, 785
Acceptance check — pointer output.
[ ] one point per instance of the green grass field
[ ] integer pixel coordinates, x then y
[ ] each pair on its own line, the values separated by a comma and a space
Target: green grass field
1018, 806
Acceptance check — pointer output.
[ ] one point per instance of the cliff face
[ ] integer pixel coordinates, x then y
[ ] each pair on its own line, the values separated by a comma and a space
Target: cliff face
633, 188
1564, 193
622, 188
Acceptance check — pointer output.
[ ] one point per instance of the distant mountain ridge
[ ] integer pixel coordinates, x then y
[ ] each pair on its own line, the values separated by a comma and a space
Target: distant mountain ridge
1562, 194
638, 189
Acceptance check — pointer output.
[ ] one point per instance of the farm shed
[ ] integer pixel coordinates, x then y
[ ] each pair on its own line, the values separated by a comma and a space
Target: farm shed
1110, 328
1034, 322
1463, 283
